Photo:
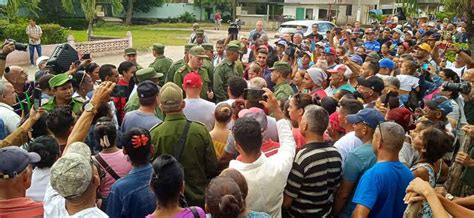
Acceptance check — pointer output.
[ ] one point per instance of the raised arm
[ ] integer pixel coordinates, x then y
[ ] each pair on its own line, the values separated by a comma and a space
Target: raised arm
7, 48
20, 135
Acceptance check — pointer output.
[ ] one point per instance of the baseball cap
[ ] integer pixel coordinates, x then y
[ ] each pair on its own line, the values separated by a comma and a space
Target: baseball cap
409, 32
192, 80
307, 53
40, 60
330, 51
334, 122
130, 51
281, 42
424, 46
317, 75
340, 68
171, 96
441, 103
369, 116
72, 173
198, 51
59, 80
373, 55
387, 63
257, 114
357, 59
147, 89
147, 74
320, 44
281, 66
402, 116
13, 160
397, 31
199, 32
232, 47
158, 47
188, 46
208, 46
374, 82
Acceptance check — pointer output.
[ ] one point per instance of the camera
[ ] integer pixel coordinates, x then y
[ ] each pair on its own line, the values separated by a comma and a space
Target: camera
233, 30
293, 50
18, 46
463, 87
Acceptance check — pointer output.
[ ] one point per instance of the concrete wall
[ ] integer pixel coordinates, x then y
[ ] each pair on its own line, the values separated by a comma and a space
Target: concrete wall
341, 18
172, 10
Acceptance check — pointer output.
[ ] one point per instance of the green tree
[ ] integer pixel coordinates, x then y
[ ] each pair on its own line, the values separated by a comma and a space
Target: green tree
458, 6
89, 9
139, 6
409, 6
13, 6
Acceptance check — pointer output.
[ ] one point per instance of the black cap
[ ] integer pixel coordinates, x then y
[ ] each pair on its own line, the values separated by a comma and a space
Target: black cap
147, 89
374, 82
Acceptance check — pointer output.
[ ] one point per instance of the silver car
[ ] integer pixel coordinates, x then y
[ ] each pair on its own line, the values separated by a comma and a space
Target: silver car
291, 26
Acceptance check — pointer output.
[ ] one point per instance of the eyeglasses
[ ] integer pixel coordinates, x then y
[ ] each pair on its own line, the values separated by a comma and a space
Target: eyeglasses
379, 126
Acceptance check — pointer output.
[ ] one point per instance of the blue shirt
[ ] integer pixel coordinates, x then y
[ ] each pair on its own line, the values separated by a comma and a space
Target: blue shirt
382, 189
357, 162
372, 45
131, 195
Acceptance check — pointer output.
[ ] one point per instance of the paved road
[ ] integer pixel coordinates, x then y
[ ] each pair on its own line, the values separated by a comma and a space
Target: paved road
145, 57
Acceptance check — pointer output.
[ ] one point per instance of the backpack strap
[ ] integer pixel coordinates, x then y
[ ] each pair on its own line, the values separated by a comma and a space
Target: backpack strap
106, 167
178, 151
194, 211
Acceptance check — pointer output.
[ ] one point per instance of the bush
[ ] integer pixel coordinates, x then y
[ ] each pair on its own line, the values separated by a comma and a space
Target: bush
187, 17
74, 23
445, 14
52, 33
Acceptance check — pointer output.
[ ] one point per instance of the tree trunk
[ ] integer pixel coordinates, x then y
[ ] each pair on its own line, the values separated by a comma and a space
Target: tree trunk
89, 30
128, 19
454, 185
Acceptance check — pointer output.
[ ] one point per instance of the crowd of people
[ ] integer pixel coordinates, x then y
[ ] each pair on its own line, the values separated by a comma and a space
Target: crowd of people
354, 122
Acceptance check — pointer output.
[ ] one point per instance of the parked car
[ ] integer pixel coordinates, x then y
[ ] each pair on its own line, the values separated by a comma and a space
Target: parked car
291, 26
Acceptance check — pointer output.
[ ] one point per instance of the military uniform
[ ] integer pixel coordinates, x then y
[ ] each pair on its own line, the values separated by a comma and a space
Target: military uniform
223, 72
132, 51
181, 72
161, 63
207, 62
198, 157
59, 80
283, 90
178, 64
133, 103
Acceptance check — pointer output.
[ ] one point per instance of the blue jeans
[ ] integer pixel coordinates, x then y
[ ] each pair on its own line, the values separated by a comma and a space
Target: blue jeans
32, 52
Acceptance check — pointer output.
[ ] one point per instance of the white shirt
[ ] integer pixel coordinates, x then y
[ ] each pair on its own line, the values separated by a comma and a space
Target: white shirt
346, 144
200, 110
459, 71
408, 82
9, 117
266, 177
55, 206
39, 181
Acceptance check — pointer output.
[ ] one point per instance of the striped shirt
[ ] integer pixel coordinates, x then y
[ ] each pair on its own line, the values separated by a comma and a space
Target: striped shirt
313, 180
34, 31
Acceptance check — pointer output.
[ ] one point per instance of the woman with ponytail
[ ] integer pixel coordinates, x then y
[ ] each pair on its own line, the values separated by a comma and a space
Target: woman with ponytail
167, 183
111, 159
220, 133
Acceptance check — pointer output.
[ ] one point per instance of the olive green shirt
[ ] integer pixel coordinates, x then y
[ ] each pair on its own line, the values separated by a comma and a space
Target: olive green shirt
173, 68
133, 104
182, 71
222, 73
76, 105
198, 157
162, 65
207, 64
283, 91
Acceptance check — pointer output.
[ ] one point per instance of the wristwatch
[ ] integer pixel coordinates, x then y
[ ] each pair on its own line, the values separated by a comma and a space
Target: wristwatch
449, 196
89, 107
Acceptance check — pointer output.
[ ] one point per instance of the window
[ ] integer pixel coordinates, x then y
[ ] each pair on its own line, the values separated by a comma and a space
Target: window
323, 14
348, 10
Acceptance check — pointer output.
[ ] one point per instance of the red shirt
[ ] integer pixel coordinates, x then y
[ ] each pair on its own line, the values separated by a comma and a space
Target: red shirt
120, 103
20, 207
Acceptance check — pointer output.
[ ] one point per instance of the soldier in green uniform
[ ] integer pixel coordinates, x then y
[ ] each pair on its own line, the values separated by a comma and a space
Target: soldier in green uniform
178, 64
207, 62
280, 72
130, 54
61, 86
196, 56
239, 66
161, 63
224, 71
198, 156
148, 73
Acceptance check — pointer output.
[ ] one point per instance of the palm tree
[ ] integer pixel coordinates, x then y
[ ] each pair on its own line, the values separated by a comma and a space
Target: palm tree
88, 7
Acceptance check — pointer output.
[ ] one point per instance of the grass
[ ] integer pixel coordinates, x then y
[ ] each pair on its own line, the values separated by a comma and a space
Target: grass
143, 35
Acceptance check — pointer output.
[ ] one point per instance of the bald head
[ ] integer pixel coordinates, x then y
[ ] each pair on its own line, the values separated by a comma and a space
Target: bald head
392, 137
16, 75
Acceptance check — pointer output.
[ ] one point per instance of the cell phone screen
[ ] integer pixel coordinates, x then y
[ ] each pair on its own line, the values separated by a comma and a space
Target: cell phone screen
120, 91
37, 98
425, 67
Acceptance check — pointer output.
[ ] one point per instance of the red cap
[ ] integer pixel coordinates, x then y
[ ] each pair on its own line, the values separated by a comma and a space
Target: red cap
341, 68
192, 80
334, 122
402, 116
330, 50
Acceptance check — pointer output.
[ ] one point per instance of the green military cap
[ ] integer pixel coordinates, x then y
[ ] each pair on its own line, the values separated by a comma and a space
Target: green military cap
199, 32
147, 74
130, 51
188, 46
208, 46
198, 51
281, 66
59, 80
158, 47
232, 47
171, 96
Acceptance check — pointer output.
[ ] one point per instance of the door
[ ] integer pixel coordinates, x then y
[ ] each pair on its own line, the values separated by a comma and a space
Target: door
309, 14
299, 13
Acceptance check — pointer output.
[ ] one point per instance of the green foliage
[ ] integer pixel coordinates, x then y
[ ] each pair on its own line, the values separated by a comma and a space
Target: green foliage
445, 14
13, 6
52, 33
144, 5
457, 6
74, 23
451, 55
410, 7
88, 7
187, 17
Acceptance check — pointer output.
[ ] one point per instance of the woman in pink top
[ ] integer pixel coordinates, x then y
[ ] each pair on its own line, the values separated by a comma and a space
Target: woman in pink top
168, 184
111, 159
